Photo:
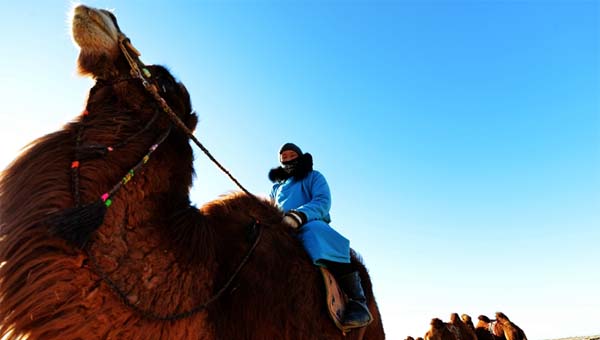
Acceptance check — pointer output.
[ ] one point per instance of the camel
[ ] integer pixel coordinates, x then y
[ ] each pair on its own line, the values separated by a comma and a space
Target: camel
440, 330
500, 329
99, 240
511, 331
465, 325
456, 329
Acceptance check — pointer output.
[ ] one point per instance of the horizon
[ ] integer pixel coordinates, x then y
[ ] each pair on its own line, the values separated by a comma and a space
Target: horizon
460, 139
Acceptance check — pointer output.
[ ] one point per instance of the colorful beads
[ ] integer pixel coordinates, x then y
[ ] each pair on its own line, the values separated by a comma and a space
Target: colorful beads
108, 202
146, 72
128, 177
75, 164
105, 197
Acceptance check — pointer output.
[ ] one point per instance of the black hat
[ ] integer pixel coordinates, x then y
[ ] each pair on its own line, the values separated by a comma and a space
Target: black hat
292, 147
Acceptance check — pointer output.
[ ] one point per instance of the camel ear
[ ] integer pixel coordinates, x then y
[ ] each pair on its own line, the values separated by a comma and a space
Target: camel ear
191, 121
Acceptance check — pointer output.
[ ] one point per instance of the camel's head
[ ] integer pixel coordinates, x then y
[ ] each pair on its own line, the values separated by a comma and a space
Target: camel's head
455, 319
466, 319
97, 34
501, 317
99, 38
437, 330
484, 319
483, 322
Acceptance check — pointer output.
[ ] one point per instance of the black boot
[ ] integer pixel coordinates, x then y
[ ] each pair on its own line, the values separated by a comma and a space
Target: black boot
357, 313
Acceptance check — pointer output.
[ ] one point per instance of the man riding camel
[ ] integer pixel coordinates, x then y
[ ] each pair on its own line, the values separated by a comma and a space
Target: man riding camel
303, 195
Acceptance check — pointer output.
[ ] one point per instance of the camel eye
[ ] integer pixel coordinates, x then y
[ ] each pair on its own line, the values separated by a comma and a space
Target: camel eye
113, 18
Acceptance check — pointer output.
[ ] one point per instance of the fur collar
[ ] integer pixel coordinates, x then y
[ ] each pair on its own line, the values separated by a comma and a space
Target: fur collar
305, 166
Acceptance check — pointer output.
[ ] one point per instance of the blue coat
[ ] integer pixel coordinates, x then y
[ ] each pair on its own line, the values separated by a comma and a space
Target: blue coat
312, 197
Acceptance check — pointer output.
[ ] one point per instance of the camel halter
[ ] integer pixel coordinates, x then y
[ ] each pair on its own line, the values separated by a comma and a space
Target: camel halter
76, 224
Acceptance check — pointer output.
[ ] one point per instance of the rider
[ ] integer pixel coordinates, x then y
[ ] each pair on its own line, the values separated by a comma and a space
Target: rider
303, 195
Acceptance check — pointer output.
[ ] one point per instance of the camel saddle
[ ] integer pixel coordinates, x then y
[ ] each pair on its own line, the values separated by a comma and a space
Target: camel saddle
336, 302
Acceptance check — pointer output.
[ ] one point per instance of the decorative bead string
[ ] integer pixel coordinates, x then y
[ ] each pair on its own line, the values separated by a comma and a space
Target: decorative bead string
106, 197
129, 175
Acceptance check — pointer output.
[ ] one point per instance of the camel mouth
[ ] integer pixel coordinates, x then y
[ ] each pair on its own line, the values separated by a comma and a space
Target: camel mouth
95, 31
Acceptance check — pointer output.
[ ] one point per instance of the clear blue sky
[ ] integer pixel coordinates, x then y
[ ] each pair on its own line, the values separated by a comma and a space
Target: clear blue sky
461, 139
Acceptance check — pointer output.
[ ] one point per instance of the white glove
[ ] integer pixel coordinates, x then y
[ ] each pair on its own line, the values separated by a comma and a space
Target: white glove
290, 221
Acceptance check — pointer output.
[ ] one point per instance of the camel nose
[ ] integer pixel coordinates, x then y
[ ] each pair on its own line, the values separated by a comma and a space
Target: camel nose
82, 11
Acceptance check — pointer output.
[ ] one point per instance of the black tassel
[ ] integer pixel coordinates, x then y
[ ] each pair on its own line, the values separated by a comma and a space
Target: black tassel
76, 225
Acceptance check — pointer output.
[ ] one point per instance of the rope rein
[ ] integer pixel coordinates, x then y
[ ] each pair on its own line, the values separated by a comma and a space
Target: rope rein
138, 70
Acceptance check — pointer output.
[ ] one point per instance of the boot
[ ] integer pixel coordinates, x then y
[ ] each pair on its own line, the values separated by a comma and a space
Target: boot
356, 313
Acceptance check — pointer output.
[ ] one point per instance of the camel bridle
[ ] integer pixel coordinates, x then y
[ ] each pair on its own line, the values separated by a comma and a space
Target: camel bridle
140, 72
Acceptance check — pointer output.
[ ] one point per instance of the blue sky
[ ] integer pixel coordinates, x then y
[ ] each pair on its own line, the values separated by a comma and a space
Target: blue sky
461, 139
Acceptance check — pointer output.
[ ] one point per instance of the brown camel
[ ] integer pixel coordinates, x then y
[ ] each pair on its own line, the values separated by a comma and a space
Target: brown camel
144, 263
456, 329
511, 331
465, 332
500, 329
439, 330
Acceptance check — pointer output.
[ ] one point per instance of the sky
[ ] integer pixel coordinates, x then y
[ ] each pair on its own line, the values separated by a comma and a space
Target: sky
460, 139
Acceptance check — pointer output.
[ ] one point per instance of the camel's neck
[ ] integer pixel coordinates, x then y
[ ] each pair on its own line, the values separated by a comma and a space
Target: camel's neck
146, 165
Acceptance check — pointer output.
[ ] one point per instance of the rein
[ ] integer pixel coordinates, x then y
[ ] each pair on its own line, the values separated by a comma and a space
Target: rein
139, 71
76, 224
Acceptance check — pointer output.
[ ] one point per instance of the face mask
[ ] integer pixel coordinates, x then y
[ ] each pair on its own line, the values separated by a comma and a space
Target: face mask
290, 166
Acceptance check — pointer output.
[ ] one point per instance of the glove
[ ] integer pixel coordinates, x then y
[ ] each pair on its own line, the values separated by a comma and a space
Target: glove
290, 221
294, 219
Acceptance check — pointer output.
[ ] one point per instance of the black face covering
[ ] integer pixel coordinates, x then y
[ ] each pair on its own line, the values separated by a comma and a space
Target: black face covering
290, 166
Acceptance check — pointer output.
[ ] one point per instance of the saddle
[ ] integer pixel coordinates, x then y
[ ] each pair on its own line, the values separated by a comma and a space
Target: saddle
336, 302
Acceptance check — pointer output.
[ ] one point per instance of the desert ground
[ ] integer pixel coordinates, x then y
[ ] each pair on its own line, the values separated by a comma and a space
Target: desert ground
592, 337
